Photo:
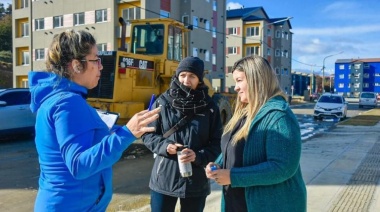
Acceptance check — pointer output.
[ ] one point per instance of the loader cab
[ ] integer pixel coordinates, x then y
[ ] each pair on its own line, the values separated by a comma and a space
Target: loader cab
161, 39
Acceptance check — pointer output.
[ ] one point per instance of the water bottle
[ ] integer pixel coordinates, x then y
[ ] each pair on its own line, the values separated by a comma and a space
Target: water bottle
185, 168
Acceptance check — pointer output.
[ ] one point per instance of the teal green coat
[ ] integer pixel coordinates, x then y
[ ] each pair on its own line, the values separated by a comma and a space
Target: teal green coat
271, 173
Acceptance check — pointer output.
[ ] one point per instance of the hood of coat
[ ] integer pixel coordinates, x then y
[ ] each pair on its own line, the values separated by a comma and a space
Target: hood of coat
275, 103
43, 85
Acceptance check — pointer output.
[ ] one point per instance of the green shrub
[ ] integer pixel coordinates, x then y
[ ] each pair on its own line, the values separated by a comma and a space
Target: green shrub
6, 56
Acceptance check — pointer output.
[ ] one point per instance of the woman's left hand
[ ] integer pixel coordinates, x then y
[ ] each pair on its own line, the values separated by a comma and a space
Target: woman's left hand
222, 176
187, 156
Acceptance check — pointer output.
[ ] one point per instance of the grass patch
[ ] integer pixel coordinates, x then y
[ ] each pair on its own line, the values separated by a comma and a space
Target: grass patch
369, 118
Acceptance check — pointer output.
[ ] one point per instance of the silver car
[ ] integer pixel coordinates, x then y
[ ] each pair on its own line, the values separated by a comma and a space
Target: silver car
330, 105
367, 99
15, 114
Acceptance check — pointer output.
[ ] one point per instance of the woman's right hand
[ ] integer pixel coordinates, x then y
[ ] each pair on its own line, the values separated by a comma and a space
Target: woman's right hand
138, 123
209, 172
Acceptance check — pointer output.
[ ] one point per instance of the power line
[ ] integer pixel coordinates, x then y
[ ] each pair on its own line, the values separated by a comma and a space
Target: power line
306, 63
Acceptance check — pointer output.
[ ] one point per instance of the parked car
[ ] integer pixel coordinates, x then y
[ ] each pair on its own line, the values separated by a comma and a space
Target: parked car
15, 114
367, 99
378, 97
330, 105
314, 97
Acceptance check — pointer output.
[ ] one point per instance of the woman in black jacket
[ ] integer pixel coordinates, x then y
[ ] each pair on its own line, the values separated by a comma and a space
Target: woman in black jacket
201, 133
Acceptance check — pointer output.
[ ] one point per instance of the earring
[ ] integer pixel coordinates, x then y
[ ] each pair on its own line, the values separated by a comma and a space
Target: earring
77, 69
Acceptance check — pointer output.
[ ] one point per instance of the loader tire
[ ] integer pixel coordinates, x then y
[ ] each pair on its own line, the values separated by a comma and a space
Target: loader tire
224, 107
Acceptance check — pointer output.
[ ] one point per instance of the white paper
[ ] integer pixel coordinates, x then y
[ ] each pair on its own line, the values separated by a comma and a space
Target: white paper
108, 118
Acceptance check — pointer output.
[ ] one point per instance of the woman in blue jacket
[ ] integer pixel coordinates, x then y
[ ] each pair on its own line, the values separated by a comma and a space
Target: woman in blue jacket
75, 147
259, 167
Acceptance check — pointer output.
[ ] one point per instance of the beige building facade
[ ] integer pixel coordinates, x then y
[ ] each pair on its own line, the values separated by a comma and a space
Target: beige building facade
250, 31
35, 22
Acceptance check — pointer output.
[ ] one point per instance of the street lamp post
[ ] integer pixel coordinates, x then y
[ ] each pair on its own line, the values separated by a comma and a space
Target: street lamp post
323, 70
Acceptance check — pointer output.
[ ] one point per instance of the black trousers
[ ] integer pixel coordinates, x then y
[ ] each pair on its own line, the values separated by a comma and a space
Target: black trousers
164, 203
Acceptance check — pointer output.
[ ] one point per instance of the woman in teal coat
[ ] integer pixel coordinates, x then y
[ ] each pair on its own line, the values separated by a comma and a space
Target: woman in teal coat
259, 167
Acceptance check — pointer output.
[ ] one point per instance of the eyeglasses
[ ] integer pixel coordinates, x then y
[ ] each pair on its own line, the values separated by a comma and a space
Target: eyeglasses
98, 61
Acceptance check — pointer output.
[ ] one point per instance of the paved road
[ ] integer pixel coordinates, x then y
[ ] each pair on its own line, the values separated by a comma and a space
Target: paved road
19, 173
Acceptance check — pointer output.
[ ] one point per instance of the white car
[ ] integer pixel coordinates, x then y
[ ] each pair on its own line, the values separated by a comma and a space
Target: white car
367, 99
15, 114
330, 106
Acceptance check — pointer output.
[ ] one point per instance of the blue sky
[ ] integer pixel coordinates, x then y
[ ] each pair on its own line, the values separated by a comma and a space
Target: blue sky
326, 27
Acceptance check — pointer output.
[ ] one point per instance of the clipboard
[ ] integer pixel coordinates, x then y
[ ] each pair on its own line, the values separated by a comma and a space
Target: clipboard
109, 118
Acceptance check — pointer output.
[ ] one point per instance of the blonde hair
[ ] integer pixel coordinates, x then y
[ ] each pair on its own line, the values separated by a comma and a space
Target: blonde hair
262, 85
65, 47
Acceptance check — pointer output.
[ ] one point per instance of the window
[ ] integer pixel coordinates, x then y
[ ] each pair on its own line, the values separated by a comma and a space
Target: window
24, 4
277, 71
195, 21
207, 26
25, 29
207, 55
365, 85
278, 34
356, 85
366, 75
131, 13
232, 31
377, 74
214, 5
252, 50
229, 69
100, 16
287, 35
58, 21
164, 14
278, 53
285, 53
341, 85
185, 20
232, 50
78, 19
25, 58
195, 52
213, 32
286, 72
214, 59
40, 54
39, 24
252, 31
341, 76
341, 67
366, 66
357, 66
102, 46
268, 52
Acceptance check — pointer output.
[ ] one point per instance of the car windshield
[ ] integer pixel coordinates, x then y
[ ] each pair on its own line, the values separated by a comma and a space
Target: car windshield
368, 95
331, 99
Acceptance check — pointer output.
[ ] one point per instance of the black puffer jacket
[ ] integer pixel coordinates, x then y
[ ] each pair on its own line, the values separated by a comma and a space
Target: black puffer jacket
202, 134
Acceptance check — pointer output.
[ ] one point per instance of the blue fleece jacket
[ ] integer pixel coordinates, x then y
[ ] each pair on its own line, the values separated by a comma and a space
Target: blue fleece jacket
75, 148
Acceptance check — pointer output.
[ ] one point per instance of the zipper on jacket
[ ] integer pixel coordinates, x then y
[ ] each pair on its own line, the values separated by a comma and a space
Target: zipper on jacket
159, 166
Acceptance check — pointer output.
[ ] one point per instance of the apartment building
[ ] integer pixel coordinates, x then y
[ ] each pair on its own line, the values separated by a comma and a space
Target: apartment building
35, 22
250, 31
353, 76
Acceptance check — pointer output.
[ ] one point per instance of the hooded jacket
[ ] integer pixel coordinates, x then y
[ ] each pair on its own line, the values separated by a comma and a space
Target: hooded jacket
75, 147
201, 134
271, 172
